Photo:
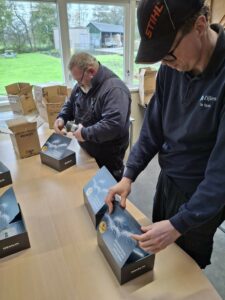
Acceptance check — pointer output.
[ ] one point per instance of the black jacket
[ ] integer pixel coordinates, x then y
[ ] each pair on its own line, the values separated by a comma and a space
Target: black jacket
185, 124
104, 112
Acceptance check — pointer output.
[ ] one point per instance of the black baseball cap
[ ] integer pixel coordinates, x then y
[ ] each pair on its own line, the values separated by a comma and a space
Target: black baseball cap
158, 24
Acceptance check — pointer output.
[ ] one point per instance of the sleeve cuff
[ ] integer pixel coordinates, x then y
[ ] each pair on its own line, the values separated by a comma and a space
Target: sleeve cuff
130, 173
84, 133
179, 223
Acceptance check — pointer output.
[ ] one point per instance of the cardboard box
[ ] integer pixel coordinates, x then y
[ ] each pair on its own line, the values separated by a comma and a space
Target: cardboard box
55, 152
5, 176
147, 82
95, 192
21, 98
13, 232
24, 137
126, 259
49, 101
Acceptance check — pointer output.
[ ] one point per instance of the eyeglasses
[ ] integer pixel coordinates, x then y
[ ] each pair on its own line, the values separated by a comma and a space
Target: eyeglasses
170, 57
82, 77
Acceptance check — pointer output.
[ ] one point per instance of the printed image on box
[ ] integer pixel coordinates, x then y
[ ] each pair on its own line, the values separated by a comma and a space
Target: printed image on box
56, 154
122, 252
5, 176
8, 208
13, 233
95, 192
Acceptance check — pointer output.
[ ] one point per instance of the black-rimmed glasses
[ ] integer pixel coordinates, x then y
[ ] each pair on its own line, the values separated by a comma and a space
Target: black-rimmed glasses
170, 57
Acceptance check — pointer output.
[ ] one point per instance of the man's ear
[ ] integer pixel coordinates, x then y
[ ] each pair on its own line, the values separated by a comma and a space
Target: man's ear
91, 71
201, 25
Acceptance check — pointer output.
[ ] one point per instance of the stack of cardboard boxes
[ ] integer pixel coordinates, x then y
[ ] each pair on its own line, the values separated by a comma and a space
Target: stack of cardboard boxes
49, 101
21, 98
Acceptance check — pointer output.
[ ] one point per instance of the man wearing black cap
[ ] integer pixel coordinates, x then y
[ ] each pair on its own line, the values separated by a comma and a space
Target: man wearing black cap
185, 124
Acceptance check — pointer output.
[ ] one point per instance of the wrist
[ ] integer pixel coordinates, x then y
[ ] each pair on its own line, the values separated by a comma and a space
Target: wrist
126, 180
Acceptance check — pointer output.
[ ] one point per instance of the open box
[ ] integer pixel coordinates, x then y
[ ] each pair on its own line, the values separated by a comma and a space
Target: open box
126, 259
13, 232
95, 192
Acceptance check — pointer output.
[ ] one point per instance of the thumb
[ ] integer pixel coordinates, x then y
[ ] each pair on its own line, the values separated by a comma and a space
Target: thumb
123, 201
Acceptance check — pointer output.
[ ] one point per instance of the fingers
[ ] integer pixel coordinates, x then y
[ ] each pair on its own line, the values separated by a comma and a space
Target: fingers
141, 237
109, 200
58, 126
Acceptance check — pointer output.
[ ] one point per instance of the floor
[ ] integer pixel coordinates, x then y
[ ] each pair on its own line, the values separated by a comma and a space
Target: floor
142, 196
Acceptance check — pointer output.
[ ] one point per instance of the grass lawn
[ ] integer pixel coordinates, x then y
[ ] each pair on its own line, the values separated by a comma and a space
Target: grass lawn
29, 67
39, 68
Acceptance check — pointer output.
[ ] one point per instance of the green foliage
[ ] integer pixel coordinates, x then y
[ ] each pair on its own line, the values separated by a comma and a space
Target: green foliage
108, 14
5, 17
43, 20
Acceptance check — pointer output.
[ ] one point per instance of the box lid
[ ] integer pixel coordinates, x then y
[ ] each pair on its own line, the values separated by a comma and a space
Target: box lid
57, 146
9, 208
21, 125
15, 88
3, 168
97, 188
26, 90
115, 230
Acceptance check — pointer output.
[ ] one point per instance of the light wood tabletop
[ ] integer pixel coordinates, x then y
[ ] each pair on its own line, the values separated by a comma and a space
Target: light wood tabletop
64, 261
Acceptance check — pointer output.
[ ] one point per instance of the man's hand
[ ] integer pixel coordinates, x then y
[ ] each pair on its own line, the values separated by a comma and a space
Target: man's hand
157, 236
123, 189
59, 126
78, 134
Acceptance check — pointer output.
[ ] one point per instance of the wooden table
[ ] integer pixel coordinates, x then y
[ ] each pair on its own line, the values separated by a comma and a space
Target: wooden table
64, 261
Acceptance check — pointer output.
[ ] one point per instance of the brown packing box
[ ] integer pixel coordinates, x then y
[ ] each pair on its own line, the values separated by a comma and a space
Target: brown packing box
49, 100
147, 81
21, 98
24, 137
52, 110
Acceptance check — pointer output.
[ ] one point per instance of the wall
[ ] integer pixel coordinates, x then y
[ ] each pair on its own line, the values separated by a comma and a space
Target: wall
218, 10
137, 112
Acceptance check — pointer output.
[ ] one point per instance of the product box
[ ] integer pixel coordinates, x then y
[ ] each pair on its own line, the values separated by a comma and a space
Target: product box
21, 98
55, 152
95, 192
49, 101
13, 232
24, 137
5, 176
126, 259
147, 82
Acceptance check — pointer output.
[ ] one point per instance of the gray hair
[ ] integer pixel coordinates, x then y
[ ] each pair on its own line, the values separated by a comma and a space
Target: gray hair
82, 60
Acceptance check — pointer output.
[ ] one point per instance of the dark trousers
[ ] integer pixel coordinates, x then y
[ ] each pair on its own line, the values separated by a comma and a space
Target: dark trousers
197, 242
110, 155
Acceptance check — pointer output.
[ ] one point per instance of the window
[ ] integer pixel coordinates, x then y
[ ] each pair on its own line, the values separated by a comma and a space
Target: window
98, 30
28, 52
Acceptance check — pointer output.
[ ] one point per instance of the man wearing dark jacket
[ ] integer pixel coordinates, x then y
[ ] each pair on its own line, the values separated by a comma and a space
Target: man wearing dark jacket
185, 124
100, 105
